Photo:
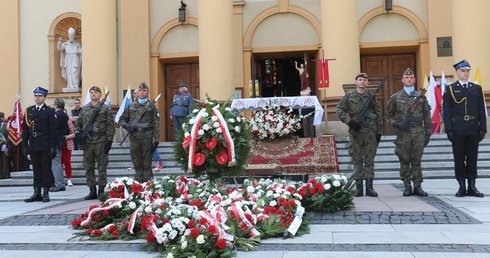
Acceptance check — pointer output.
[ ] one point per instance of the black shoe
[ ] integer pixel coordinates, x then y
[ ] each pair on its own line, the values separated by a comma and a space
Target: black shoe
57, 189
419, 192
36, 197
407, 191
92, 195
46, 194
472, 191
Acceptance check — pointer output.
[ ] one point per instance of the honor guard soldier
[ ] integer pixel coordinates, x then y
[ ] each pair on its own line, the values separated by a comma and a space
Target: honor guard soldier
364, 138
465, 122
409, 112
39, 142
97, 141
142, 121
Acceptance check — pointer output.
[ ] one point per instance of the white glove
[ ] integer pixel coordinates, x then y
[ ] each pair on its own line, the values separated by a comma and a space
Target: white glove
4, 147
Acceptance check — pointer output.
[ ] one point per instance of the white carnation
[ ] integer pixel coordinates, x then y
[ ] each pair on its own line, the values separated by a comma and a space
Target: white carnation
132, 205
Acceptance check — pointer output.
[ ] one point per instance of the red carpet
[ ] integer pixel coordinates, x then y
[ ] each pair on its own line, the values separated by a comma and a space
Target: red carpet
297, 155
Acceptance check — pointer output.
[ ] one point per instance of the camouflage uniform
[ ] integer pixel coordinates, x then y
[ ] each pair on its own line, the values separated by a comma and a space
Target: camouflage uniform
146, 134
364, 144
410, 143
94, 149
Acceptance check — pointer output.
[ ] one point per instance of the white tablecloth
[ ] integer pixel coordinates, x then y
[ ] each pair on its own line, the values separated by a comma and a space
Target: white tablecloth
295, 102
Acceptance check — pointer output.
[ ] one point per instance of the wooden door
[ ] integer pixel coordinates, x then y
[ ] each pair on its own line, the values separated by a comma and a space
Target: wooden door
392, 66
175, 75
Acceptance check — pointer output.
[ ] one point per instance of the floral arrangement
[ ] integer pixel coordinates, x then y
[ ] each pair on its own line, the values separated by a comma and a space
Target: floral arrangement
186, 217
274, 122
214, 140
327, 193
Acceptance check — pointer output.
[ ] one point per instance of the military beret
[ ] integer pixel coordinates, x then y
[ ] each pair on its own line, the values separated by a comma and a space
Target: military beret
95, 88
362, 75
143, 86
463, 64
408, 72
40, 91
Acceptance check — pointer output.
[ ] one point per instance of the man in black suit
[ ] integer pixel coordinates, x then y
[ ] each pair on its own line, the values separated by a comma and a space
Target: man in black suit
61, 131
39, 142
465, 121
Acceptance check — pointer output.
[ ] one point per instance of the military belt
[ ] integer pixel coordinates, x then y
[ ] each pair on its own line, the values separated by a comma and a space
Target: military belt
142, 130
37, 134
415, 123
465, 117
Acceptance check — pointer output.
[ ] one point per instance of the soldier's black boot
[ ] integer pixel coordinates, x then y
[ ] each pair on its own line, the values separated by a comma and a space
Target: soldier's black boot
408, 190
472, 191
100, 193
36, 197
359, 188
369, 188
417, 190
462, 189
92, 195
46, 194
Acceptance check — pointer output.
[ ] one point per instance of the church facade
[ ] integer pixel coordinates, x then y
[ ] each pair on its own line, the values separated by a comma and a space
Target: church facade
225, 48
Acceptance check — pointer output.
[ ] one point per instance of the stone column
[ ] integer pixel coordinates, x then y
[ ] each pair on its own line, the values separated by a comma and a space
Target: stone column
216, 62
340, 40
471, 35
99, 56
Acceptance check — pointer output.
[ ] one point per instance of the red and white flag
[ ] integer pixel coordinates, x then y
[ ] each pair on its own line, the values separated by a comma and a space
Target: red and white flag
15, 124
435, 98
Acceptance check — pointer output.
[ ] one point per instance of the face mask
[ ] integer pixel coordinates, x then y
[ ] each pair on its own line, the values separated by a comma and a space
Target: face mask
141, 101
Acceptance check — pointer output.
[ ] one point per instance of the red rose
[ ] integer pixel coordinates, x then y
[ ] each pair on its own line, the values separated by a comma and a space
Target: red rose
203, 105
194, 232
93, 207
203, 221
186, 142
105, 213
222, 158
312, 191
212, 229
97, 232
199, 159
211, 143
221, 244
115, 233
191, 223
120, 188
150, 238
113, 194
75, 223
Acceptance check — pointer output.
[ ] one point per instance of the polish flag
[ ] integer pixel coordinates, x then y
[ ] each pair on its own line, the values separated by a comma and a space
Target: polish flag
435, 98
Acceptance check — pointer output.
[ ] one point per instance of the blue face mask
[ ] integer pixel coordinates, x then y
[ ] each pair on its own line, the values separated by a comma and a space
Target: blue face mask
141, 101
409, 90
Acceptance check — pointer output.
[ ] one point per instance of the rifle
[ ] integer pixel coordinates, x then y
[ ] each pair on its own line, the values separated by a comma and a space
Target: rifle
410, 111
85, 133
365, 109
138, 117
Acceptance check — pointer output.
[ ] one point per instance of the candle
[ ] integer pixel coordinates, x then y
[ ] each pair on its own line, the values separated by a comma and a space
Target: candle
250, 89
257, 89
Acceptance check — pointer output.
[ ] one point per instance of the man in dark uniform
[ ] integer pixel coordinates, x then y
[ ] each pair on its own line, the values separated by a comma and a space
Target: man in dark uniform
180, 108
412, 137
364, 138
145, 135
56, 166
96, 148
39, 140
74, 113
465, 123
4, 159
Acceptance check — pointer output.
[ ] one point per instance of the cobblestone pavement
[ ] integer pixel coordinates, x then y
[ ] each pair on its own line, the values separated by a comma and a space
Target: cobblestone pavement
446, 215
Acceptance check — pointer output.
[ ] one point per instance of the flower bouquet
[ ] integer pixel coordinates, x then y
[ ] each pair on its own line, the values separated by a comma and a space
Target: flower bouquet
274, 122
327, 193
214, 140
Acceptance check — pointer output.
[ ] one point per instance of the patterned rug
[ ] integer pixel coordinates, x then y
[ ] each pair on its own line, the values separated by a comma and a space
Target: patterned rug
297, 155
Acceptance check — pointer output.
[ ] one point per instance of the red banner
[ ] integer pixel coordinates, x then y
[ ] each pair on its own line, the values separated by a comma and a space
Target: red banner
15, 124
323, 79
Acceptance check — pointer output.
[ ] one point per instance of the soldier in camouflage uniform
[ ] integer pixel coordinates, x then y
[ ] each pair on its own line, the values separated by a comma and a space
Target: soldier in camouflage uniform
96, 149
364, 137
412, 136
144, 135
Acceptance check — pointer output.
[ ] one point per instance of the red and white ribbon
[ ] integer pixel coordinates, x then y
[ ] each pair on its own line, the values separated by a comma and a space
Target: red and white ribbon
194, 135
230, 145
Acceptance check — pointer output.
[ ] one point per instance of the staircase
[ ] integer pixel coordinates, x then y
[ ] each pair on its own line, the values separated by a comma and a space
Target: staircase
119, 162
437, 161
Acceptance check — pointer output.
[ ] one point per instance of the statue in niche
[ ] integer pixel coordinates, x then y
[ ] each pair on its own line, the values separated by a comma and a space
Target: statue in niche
71, 61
